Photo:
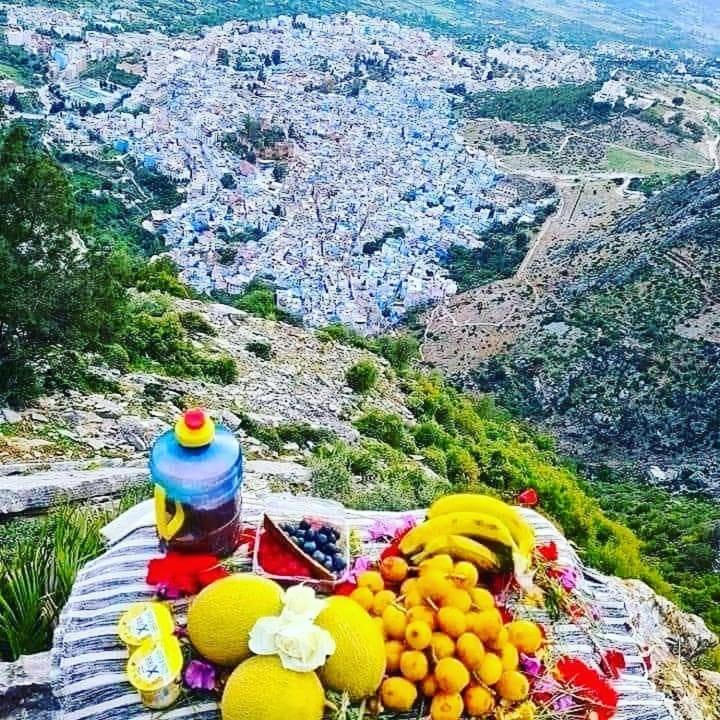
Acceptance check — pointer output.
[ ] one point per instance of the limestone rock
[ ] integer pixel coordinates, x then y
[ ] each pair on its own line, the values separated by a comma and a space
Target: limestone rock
25, 688
673, 639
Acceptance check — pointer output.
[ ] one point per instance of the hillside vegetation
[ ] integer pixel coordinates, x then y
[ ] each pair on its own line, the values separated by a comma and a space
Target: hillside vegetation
623, 358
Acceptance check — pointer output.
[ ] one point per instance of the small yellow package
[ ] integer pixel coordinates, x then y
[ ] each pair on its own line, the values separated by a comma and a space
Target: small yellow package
143, 621
155, 669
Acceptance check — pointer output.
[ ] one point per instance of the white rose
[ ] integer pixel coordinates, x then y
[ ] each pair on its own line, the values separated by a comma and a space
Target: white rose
301, 600
301, 645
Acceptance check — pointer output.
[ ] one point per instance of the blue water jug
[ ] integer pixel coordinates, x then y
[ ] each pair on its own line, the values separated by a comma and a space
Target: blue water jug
197, 471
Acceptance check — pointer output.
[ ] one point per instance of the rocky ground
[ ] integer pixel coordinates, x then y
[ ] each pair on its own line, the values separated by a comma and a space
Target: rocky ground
303, 382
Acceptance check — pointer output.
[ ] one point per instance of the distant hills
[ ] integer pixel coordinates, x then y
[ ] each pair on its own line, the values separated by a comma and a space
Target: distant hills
672, 24
622, 357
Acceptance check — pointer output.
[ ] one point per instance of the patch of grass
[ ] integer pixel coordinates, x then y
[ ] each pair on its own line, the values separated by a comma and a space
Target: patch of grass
626, 160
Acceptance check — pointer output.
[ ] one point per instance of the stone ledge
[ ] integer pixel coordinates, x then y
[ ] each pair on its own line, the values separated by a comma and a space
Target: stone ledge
25, 688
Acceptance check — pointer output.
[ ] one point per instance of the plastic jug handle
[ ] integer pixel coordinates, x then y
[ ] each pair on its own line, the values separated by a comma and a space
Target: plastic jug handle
167, 529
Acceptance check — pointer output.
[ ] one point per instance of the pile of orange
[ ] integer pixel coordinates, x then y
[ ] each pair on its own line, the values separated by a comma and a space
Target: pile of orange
445, 638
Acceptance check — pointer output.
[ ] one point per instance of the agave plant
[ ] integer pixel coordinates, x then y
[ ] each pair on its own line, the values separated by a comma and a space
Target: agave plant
36, 577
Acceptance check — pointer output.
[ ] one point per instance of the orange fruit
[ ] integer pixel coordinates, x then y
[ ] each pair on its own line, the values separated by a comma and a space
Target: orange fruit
479, 701
394, 622
513, 686
490, 669
414, 665
451, 621
363, 596
413, 598
393, 650
379, 622
372, 580
429, 686
381, 601
418, 635
446, 706
457, 598
394, 569
509, 657
470, 650
525, 635
442, 646
421, 613
398, 694
444, 563
482, 599
499, 641
434, 585
465, 575
488, 624
451, 675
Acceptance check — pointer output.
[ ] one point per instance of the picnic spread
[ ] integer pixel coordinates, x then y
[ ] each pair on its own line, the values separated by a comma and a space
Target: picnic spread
215, 602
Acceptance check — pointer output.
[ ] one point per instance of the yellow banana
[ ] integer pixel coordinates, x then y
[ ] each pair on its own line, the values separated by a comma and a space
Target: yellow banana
477, 525
462, 548
522, 533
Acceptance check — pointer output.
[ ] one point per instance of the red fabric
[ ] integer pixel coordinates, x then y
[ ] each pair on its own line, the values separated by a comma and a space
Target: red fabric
178, 574
613, 661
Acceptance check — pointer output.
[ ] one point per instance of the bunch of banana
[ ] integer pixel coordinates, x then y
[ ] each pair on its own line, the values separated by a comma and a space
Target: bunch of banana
477, 528
521, 532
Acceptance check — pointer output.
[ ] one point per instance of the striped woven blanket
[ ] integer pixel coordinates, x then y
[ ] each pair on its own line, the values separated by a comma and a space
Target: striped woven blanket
88, 659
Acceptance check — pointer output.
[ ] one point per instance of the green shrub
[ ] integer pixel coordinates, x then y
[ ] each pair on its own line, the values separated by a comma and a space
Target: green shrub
195, 323
435, 459
156, 339
431, 433
275, 436
387, 427
221, 369
462, 470
399, 351
362, 376
117, 356
161, 274
343, 335
262, 350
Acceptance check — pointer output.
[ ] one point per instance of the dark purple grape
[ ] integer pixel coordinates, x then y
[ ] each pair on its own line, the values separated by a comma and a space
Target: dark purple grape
309, 547
329, 564
319, 556
304, 525
339, 563
298, 541
331, 549
321, 538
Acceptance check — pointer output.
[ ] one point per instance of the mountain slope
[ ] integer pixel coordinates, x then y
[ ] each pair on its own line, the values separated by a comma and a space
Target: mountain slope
620, 355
